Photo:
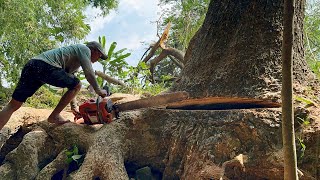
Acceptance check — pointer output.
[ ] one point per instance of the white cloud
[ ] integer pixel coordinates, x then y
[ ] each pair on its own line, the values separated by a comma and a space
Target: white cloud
131, 4
129, 26
141, 7
132, 42
97, 22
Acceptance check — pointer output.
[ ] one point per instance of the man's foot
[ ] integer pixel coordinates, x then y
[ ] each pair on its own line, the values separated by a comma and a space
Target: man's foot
80, 121
57, 119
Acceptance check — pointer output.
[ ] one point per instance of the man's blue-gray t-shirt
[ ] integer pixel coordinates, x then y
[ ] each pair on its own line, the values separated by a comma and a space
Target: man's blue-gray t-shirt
70, 58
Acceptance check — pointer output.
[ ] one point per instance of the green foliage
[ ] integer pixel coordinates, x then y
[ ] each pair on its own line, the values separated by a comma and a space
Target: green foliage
30, 27
304, 122
301, 148
115, 65
186, 18
73, 155
138, 74
165, 71
306, 101
4, 98
312, 35
104, 5
43, 98
137, 81
151, 89
154, 89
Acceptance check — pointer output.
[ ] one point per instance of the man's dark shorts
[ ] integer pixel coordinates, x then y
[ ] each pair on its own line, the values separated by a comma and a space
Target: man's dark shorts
36, 73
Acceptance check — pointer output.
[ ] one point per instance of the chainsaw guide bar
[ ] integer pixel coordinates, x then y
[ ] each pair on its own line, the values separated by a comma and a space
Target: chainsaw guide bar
101, 111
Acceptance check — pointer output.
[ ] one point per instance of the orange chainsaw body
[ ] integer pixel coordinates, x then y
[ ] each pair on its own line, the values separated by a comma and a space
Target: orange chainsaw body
96, 111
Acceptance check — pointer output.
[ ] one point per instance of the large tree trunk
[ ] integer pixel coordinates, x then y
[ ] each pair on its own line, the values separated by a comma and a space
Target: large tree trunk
237, 51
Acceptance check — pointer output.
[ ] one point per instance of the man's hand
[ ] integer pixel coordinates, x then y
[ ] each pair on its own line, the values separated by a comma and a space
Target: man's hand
76, 114
103, 93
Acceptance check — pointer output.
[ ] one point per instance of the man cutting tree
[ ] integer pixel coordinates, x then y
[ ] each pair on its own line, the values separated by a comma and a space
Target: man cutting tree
56, 67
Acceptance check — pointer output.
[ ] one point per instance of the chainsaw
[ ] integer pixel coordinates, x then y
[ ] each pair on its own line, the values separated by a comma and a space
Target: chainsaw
103, 110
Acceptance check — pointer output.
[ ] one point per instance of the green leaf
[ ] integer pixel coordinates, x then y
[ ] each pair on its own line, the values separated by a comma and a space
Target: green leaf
104, 63
303, 146
60, 38
111, 49
124, 56
69, 160
75, 150
306, 122
120, 51
103, 41
69, 153
76, 157
304, 100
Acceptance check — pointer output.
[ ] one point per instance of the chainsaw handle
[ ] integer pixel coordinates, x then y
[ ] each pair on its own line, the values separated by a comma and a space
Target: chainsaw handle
99, 115
116, 110
77, 115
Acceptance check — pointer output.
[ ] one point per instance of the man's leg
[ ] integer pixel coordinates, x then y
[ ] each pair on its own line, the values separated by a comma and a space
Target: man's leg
60, 78
27, 85
55, 116
8, 110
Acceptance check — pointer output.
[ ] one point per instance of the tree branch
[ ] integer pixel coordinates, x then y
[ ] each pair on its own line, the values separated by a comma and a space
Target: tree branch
152, 51
109, 79
155, 61
176, 53
176, 62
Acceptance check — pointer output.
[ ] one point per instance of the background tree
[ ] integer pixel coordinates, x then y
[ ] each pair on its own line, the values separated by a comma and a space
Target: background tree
186, 17
159, 51
29, 27
288, 135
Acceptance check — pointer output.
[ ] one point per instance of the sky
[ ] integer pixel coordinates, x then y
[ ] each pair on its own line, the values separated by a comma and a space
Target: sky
132, 26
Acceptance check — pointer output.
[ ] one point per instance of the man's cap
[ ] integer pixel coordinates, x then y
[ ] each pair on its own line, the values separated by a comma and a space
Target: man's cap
98, 46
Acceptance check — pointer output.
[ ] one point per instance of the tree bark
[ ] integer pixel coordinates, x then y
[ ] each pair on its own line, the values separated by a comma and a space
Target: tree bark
180, 144
237, 54
288, 134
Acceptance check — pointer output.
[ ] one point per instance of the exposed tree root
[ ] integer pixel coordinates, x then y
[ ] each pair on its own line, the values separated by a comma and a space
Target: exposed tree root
178, 144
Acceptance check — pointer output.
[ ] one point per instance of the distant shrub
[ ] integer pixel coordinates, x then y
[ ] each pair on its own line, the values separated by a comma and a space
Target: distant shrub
152, 89
43, 98
5, 95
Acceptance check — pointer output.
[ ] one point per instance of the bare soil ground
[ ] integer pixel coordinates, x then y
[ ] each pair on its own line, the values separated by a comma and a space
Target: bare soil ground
28, 115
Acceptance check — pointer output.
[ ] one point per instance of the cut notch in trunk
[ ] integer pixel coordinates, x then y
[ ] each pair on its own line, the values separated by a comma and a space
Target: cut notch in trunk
222, 103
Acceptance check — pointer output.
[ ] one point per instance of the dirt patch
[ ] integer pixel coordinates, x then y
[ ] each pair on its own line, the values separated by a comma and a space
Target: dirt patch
28, 115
